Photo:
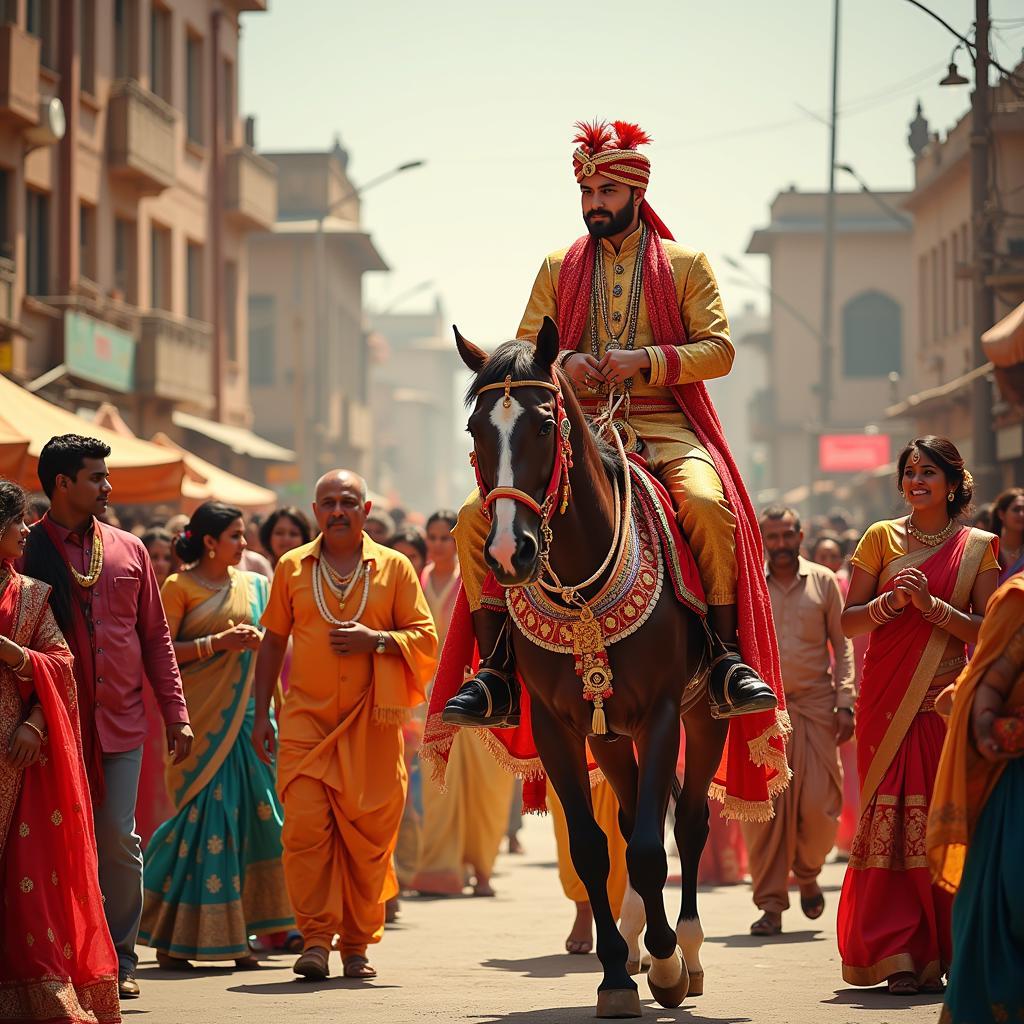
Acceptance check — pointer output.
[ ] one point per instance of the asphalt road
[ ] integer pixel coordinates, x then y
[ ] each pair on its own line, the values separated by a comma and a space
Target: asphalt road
485, 961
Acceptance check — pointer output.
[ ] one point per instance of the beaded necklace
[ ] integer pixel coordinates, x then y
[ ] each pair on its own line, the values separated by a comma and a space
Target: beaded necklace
95, 562
320, 576
599, 300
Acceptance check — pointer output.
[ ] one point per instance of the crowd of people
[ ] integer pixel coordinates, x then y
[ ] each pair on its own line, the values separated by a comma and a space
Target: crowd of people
183, 768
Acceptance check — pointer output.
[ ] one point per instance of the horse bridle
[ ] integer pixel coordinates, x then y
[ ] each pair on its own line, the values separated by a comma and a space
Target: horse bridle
558, 490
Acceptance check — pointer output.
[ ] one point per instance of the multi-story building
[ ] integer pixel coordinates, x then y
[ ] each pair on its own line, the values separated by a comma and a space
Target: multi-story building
309, 372
128, 186
943, 253
871, 364
418, 382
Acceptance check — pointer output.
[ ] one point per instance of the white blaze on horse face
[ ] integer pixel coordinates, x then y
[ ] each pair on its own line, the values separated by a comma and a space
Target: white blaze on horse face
503, 544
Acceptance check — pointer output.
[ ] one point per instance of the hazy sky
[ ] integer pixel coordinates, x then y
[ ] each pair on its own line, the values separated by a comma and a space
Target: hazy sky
488, 100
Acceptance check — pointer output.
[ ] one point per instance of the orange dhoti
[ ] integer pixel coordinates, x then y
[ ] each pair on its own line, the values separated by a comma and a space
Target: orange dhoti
606, 814
341, 771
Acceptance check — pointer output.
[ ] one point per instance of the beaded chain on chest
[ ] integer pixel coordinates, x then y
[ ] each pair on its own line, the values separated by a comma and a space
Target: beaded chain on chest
599, 300
320, 576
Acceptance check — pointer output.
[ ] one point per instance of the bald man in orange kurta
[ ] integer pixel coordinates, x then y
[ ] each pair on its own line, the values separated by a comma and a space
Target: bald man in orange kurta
341, 773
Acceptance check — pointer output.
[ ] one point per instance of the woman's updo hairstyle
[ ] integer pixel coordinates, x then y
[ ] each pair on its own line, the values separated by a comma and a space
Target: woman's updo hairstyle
12, 504
945, 455
211, 519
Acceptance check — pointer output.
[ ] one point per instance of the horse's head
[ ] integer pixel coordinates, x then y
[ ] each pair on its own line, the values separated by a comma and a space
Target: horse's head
520, 448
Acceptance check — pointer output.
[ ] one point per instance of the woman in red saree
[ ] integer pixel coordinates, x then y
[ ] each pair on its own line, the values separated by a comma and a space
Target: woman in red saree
57, 962
920, 587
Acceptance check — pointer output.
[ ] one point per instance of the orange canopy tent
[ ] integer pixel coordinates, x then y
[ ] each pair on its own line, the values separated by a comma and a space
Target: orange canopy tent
205, 481
140, 472
13, 451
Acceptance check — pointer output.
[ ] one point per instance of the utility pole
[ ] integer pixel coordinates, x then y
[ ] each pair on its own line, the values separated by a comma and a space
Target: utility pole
828, 268
983, 305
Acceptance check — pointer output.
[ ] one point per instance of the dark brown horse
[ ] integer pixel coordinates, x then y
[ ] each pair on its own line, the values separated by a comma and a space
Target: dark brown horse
517, 443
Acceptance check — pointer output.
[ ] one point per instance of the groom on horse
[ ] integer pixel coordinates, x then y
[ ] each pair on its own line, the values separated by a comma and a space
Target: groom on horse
611, 295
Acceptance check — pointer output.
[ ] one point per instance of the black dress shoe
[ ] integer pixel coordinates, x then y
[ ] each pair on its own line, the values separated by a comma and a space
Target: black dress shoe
735, 689
127, 986
488, 700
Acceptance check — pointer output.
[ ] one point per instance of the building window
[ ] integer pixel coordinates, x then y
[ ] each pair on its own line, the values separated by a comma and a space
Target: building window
231, 309
37, 243
944, 286
262, 340
87, 24
6, 241
159, 267
87, 241
194, 269
966, 298
936, 295
194, 87
160, 52
228, 111
872, 336
39, 22
922, 299
954, 284
125, 258
125, 13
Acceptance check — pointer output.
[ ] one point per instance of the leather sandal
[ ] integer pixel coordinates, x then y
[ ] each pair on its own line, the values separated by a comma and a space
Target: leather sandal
358, 967
813, 906
902, 984
313, 964
764, 927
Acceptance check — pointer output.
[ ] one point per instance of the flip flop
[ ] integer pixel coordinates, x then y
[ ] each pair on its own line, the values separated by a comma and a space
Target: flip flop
358, 967
902, 985
579, 947
764, 928
813, 906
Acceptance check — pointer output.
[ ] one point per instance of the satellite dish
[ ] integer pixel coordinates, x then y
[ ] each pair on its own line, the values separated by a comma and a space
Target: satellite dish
51, 127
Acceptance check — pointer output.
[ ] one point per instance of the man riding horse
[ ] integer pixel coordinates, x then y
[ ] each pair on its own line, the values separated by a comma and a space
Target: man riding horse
608, 294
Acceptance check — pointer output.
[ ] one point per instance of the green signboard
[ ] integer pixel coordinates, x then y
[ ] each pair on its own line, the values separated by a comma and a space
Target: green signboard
99, 352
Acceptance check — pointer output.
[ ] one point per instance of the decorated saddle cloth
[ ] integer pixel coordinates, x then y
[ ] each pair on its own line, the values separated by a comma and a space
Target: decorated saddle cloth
656, 550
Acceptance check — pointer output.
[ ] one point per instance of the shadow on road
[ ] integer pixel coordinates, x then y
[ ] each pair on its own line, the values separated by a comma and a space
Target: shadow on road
744, 940
879, 999
298, 985
554, 965
578, 1014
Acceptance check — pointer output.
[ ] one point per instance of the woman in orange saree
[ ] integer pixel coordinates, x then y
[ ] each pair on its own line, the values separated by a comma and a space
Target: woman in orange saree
920, 586
57, 963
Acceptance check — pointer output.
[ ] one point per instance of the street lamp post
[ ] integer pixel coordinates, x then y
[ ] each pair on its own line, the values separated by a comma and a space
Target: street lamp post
322, 381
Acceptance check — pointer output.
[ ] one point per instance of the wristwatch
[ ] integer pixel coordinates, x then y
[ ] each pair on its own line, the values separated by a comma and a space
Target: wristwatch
382, 643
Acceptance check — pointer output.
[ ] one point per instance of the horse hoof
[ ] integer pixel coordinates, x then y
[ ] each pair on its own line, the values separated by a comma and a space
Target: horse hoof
671, 996
618, 1003
696, 984
635, 967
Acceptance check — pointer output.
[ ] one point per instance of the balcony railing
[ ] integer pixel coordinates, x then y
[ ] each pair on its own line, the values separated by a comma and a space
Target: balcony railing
19, 75
175, 359
250, 196
7, 277
141, 131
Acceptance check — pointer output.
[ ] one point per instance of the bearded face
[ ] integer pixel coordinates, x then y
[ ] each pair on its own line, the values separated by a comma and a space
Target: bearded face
609, 207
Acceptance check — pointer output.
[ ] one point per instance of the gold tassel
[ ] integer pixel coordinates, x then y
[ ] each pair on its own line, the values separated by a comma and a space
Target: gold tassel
598, 725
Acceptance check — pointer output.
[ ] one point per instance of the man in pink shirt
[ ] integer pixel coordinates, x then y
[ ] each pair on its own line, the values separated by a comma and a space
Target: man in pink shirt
106, 600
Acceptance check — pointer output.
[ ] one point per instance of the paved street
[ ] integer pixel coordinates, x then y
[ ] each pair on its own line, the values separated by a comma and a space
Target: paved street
499, 960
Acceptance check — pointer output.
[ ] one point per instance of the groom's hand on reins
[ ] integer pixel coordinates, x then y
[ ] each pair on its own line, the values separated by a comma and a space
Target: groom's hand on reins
619, 364
583, 370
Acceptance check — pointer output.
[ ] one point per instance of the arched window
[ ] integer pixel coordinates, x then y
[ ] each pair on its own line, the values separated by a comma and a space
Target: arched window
872, 336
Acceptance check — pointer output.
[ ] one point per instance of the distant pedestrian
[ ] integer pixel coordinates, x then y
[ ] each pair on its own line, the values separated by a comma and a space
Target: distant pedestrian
285, 529
817, 675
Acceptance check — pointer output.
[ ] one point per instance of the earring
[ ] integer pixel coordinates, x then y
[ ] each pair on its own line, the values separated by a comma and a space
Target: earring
212, 555
951, 496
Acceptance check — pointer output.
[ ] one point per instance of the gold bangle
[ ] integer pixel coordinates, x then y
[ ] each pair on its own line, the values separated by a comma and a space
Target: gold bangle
35, 728
19, 669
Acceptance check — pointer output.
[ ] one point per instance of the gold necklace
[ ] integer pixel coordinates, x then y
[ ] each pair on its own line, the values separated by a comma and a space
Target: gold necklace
95, 562
212, 586
931, 540
319, 575
336, 576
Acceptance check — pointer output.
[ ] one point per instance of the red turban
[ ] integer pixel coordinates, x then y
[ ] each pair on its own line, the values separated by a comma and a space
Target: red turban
610, 149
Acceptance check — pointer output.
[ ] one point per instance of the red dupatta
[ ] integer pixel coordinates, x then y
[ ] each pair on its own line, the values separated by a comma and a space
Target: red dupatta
903, 655
58, 961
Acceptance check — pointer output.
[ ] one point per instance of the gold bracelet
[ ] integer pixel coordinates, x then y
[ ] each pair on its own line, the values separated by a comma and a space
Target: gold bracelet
939, 614
35, 728
19, 669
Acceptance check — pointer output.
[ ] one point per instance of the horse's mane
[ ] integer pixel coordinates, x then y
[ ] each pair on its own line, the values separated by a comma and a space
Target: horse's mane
517, 358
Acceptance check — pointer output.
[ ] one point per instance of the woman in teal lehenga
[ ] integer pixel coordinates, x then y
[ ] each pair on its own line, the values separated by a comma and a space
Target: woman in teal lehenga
213, 873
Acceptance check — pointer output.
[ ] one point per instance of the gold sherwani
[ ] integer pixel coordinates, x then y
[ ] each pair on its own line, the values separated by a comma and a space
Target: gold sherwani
672, 450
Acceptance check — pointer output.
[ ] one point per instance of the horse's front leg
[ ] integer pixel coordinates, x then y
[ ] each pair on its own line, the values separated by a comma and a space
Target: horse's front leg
564, 758
658, 748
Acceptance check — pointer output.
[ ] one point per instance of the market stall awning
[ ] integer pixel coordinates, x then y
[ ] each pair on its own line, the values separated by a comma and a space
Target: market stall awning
1004, 342
943, 394
205, 481
13, 452
140, 472
240, 440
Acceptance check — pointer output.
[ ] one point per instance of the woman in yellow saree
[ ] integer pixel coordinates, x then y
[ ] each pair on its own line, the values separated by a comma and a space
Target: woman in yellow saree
976, 824
920, 587
213, 873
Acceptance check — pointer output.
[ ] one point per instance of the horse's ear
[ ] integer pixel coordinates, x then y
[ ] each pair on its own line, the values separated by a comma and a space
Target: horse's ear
472, 356
547, 344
